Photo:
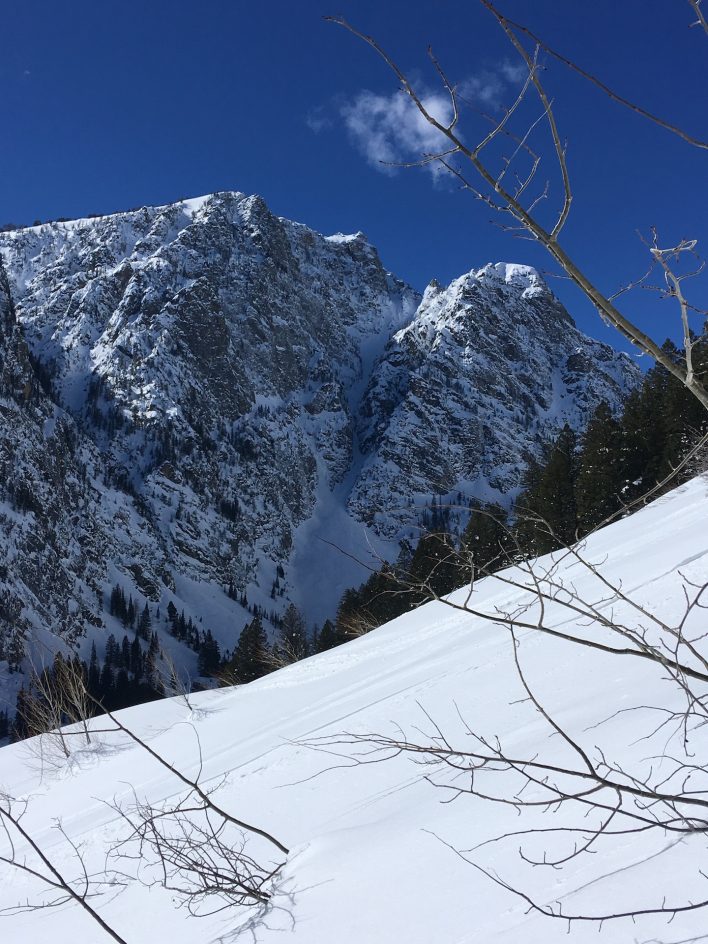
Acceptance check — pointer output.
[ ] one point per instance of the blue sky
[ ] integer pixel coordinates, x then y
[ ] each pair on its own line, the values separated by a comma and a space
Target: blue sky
107, 106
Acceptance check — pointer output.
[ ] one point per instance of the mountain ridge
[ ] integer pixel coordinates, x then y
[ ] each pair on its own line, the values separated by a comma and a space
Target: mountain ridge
245, 393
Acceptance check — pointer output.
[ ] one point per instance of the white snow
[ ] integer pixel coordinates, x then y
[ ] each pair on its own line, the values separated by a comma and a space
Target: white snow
346, 237
369, 862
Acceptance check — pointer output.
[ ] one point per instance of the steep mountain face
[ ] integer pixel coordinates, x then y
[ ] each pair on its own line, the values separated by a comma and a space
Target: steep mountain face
223, 388
211, 351
42, 491
488, 368
64, 530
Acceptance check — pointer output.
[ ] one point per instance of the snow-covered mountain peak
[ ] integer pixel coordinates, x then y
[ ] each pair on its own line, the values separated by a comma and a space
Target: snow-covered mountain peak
239, 392
357, 237
501, 277
483, 362
511, 273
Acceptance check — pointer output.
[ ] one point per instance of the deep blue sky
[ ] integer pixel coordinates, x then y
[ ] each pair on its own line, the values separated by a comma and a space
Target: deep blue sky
106, 106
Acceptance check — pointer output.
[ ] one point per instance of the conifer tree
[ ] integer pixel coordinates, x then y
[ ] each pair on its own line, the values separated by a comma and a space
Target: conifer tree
434, 563
599, 480
144, 623
112, 651
172, 616
326, 638
94, 672
485, 542
292, 635
250, 659
106, 684
551, 497
209, 657
125, 653
136, 659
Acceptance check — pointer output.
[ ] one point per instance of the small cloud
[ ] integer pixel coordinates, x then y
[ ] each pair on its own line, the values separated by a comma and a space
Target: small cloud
490, 86
514, 72
487, 88
26, 73
316, 120
389, 128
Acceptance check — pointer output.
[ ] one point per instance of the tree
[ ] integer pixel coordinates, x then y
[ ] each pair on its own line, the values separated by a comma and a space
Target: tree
251, 656
144, 623
510, 191
292, 643
209, 655
598, 484
326, 638
486, 544
434, 563
547, 512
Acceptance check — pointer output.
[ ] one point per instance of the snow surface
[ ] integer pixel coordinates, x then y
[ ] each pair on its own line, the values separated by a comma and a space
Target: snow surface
370, 859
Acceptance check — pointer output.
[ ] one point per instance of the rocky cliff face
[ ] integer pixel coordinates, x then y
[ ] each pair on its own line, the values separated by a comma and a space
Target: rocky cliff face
487, 369
220, 388
53, 527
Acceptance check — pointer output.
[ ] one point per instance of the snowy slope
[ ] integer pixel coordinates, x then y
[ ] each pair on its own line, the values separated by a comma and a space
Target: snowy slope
369, 860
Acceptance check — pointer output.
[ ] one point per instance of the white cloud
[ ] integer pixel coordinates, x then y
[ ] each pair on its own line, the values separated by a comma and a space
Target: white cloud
490, 87
487, 89
513, 72
389, 129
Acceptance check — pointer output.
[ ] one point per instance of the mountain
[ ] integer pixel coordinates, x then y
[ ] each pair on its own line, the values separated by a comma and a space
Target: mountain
220, 395
487, 369
372, 846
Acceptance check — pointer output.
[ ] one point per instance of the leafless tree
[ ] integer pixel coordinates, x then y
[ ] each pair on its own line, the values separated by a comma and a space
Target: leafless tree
57, 697
192, 851
597, 796
21, 851
190, 845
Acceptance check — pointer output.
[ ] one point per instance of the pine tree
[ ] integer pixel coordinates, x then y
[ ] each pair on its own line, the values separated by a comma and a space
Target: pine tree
326, 638
112, 651
486, 543
292, 635
106, 684
136, 659
250, 659
94, 672
172, 616
22, 708
599, 480
209, 658
434, 565
144, 624
550, 497
125, 653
